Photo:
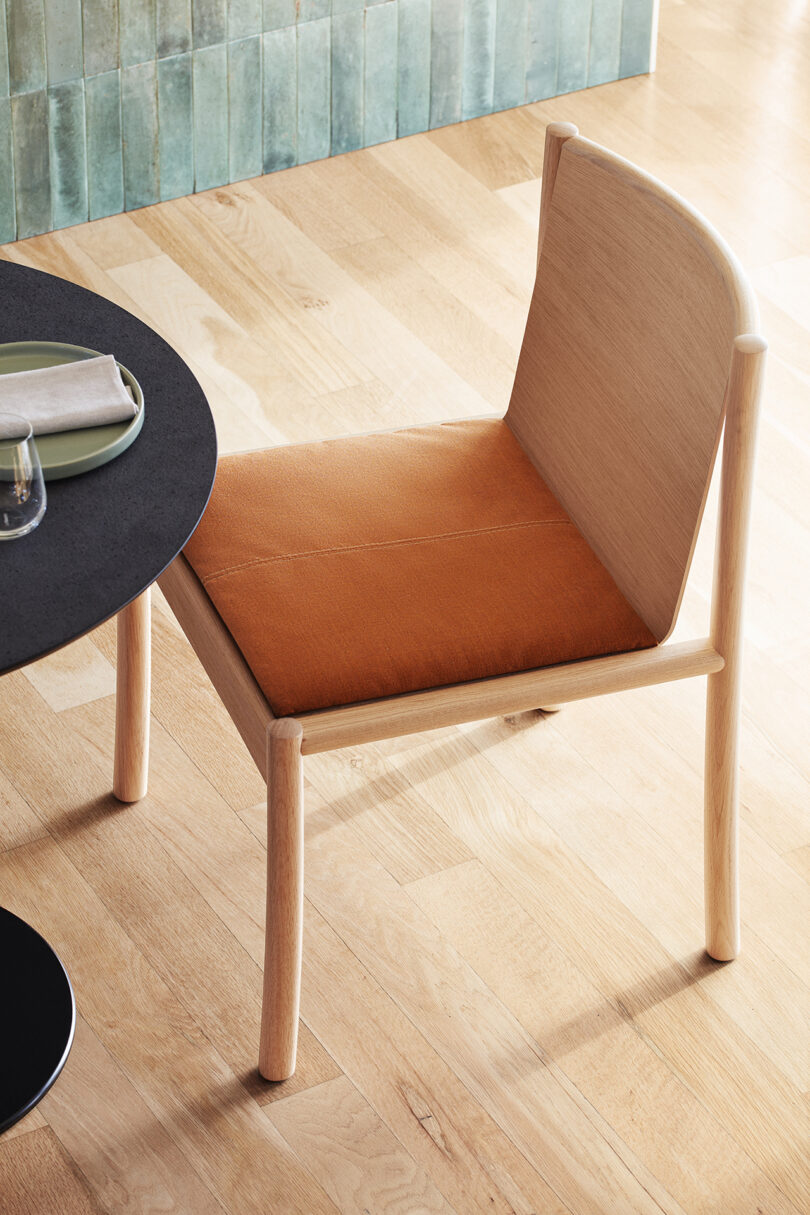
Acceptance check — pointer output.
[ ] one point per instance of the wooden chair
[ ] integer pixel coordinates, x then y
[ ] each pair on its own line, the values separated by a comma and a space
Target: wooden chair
640, 346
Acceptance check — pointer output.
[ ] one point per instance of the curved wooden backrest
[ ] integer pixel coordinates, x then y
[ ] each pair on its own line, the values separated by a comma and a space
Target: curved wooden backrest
619, 392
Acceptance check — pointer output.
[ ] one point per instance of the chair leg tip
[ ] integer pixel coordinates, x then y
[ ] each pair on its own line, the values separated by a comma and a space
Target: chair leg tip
723, 953
276, 1075
129, 794
277, 1059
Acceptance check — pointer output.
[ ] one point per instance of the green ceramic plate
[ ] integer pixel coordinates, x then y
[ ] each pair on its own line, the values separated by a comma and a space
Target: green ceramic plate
69, 452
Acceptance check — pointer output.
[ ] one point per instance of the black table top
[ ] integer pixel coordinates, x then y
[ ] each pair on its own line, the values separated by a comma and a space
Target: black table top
37, 1018
107, 534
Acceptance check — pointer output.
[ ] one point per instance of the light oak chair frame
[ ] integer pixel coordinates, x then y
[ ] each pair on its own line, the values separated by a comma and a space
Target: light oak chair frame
278, 745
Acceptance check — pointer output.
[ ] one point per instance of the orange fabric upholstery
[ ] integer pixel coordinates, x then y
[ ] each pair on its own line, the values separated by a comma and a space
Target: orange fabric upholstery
364, 567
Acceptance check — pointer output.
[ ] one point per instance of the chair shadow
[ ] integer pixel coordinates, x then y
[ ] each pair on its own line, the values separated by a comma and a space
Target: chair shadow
388, 784
91, 813
629, 1003
624, 1005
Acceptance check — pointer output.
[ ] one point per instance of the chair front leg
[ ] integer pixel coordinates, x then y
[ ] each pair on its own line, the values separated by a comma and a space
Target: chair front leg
285, 900
132, 688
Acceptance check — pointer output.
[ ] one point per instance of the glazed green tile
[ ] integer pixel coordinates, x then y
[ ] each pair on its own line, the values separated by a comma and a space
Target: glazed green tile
68, 153
314, 90
313, 10
210, 84
245, 108
346, 6
479, 58
25, 31
172, 27
278, 14
347, 81
541, 67
572, 52
209, 22
446, 61
63, 40
279, 99
139, 129
137, 37
8, 210
637, 25
245, 18
29, 120
175, 127
605, 42
511, 40
3, 53
413, 68
380, 74
100, 36
105, 157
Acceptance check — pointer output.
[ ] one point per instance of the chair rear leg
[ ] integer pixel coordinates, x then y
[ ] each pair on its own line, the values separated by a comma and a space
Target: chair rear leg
724, 694
285, 900
722, 890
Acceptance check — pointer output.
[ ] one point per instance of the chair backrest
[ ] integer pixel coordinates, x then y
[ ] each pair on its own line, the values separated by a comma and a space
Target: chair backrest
619, 391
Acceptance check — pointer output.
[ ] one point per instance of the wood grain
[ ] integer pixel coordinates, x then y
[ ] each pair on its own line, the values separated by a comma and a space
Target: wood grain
38, 1175
620, 387
429, 710
723, 698
283, 939
220, 656
360, 1162
72, 675
541, 876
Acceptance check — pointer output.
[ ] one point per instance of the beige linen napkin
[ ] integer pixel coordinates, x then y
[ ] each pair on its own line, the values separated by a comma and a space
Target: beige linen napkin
67, 397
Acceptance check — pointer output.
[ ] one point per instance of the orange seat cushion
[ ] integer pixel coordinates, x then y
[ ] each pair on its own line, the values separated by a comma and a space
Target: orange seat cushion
364, 567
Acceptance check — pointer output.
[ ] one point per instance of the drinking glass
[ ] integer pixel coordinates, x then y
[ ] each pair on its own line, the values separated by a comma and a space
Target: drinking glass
22, 487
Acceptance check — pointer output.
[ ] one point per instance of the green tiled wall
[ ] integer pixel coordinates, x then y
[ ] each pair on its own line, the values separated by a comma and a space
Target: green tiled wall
108, 105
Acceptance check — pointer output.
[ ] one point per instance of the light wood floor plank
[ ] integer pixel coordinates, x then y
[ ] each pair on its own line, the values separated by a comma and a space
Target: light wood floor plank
359, 1162
441, 246
38, 1175
386, 346
32, 1121
493, 815
443, 323
473, 1162
116, 1140
223, 861
72, 676
403, 833
506, 1004
286, 330
19, 824
594, 1044
206, 1108
560, 1133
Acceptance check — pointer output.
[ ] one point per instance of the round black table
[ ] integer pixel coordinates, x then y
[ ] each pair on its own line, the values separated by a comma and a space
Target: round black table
37, 1018
106, 534
104, 539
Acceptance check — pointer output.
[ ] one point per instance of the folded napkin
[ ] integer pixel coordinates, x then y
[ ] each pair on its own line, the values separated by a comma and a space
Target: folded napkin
66, 397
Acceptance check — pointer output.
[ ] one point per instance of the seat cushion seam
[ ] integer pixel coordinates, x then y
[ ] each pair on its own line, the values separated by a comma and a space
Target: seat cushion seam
351, 548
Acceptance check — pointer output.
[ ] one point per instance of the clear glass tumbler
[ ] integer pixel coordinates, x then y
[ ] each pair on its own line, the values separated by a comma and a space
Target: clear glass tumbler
22, 486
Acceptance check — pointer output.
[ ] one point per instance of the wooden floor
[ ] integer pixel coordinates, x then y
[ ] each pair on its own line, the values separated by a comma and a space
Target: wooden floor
506, 1004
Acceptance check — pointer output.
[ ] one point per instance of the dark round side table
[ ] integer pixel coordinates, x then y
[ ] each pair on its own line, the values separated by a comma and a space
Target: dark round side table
104, 539
37, 1018
106, 534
